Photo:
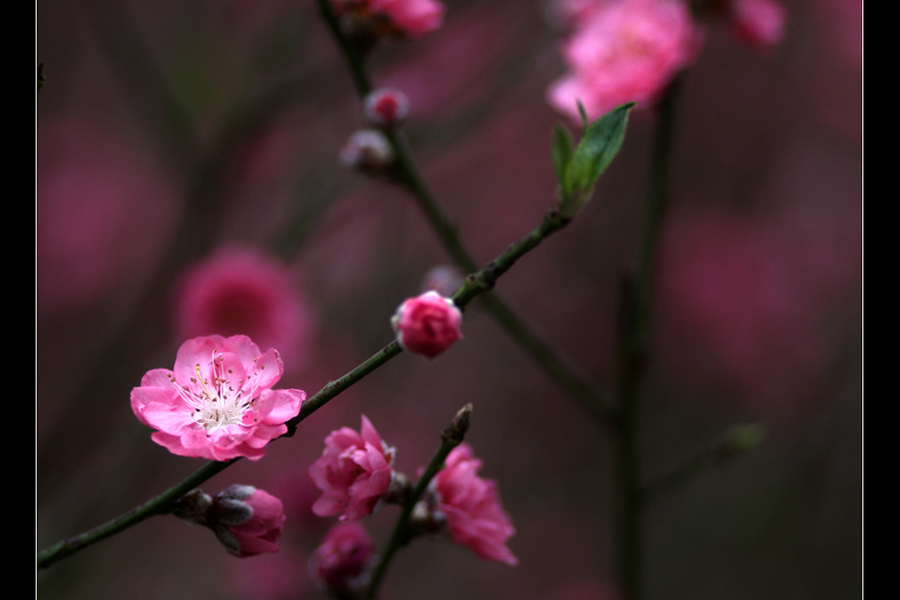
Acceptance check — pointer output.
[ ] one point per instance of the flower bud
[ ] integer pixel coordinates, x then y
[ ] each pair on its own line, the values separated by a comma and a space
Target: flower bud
368, 150
344, 560
247, 521
386, 108
427, 324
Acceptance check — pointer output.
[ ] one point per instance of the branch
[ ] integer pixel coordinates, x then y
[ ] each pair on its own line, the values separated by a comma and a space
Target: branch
450, 439
476, 284
407, 175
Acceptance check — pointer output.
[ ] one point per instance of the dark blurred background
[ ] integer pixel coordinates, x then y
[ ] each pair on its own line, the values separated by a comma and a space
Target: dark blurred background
166, 130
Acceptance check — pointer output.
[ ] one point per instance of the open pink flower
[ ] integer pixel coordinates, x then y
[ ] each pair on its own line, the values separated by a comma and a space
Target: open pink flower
475, 517
241, 290
217, 403
623, 51
247, 521
354, 472
344, 559
427, 324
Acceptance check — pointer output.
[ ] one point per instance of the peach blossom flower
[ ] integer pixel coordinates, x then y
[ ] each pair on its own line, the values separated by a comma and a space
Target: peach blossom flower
475, 516
427, 324
217, 403
354, 472
623, 51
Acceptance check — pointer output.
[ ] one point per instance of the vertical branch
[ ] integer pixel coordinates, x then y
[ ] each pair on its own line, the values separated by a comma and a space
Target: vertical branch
637, 294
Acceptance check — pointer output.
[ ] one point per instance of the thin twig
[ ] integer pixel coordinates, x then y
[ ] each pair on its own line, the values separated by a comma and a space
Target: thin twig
407, 175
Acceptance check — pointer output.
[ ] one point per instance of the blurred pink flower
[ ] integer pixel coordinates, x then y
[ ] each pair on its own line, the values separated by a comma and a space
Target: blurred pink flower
242, 291
354, 472
738, 293
427, 324
343, 560
413, 18
247, 521
623, 51
757, 23
218, 402
475, 517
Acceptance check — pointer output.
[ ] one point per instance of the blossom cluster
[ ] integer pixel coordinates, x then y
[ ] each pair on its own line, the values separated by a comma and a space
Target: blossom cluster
356, 477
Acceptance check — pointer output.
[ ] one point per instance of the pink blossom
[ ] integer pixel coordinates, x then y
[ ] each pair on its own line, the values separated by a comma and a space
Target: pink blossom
246, 520
475, 517
344, 558
412, 18
240, 290
758, 23
354, 472
427, 324
623, 51
217, 403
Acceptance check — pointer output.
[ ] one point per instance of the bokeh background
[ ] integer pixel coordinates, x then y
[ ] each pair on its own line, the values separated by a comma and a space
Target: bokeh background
168, 130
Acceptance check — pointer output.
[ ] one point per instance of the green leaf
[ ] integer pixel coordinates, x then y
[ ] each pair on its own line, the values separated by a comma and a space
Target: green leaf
593, 154
562, 155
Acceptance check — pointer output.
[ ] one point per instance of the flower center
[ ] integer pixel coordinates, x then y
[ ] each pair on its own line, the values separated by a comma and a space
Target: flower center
215, 399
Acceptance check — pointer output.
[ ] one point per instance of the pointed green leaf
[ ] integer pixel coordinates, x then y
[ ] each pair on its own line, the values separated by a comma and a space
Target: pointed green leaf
600, 144
594, 152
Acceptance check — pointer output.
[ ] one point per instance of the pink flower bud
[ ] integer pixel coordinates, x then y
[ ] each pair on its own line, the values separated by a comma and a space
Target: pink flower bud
386, 108
427, 324
345, 558
246, 520
354, 473
368, 150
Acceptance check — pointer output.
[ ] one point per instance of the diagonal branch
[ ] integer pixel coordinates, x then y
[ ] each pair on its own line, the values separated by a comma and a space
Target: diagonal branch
406, 174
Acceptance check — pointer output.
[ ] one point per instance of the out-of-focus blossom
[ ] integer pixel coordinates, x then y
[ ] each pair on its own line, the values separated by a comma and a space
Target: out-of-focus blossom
344, 559
368, 150
758, 23
386, 108
738, 292
427, 324
623, 51
242, 291
443, 279
217, 403
354, 472
247, 521
472, 508
403, 18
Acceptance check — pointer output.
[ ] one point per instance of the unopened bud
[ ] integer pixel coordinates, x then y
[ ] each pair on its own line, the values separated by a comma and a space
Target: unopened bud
386, 108
368, 150
459, 425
